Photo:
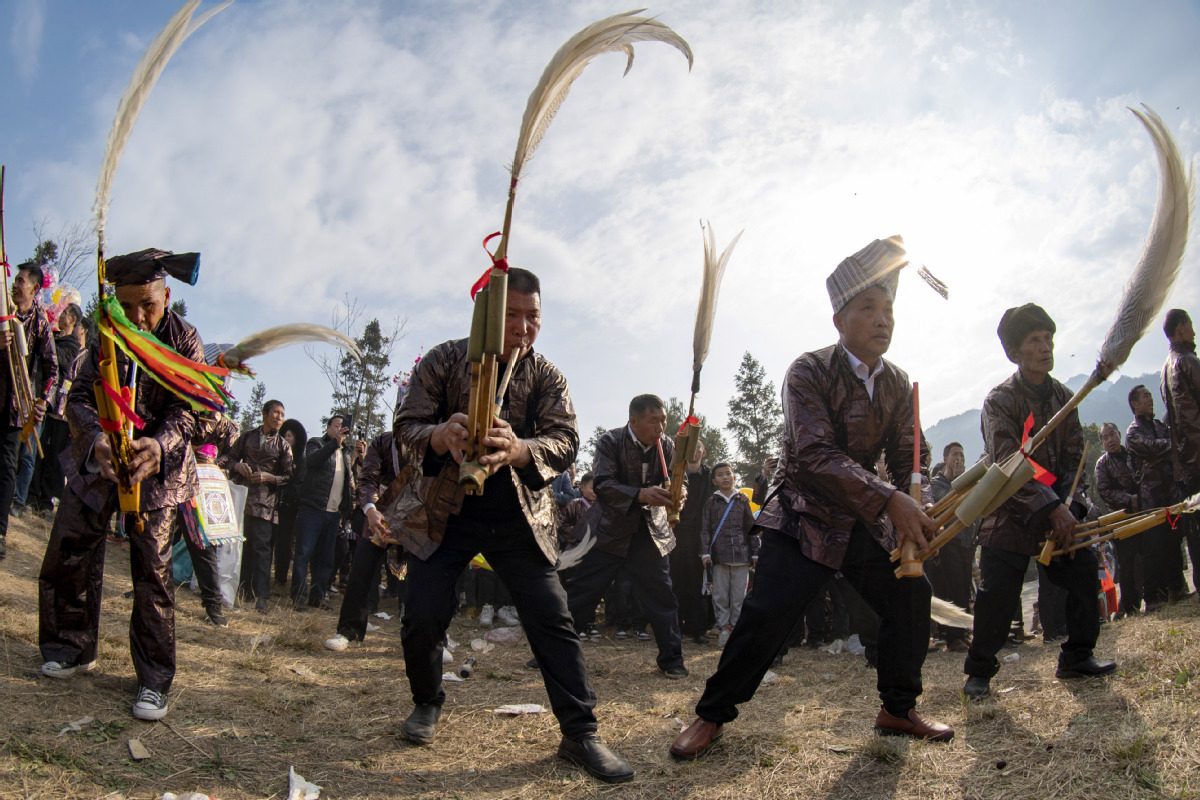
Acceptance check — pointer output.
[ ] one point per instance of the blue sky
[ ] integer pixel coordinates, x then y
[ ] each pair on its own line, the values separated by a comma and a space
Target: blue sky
310, 149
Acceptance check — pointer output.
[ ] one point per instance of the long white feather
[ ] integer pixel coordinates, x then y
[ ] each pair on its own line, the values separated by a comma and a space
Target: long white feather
569, 558
710, 288
617, 33
283, 335
1151, 281
946, 613
144, 77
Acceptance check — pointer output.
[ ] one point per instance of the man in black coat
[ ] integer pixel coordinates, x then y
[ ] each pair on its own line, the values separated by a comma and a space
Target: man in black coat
633, 531
325, 500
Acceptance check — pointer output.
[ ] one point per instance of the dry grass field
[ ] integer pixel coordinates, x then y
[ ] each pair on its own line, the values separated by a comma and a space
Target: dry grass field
244, 709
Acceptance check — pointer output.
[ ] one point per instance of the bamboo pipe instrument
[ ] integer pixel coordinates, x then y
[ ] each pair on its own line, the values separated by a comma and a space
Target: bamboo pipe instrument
1048, 547
1118, 531
662, 460
484, 346
911, 565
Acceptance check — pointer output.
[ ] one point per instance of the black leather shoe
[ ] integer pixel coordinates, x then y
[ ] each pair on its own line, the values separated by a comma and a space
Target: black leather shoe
421, 725
977, 688
596, 757
1088, 668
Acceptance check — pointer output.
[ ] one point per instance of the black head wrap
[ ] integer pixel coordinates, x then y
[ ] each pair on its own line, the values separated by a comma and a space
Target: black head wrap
1017, 323
147, 266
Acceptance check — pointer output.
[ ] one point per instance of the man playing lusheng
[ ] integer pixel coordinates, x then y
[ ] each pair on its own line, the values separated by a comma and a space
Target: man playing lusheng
69, 586
1019, 527
827, 510
42, 361
632, 532
512, 523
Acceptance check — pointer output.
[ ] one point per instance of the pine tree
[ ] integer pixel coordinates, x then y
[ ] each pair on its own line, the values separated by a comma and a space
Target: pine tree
363, 390
715, 446
755, 418
587, 453
252, 413
363, 384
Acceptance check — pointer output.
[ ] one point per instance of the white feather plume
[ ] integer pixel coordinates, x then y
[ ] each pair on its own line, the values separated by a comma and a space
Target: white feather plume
617, 33
946, 613
1151, 281
144, 77
283, 335
569, 558
710, 288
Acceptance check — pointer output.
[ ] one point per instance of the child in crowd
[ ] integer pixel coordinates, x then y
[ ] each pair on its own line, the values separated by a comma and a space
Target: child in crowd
728, 546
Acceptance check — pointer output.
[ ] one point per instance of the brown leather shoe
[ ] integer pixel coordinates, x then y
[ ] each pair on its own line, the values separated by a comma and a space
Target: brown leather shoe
913, 725
695, 739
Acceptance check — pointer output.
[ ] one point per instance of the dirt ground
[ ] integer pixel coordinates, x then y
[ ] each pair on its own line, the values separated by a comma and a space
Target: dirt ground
245, 709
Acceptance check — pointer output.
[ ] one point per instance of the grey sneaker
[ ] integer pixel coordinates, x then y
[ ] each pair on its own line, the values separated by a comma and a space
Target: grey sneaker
63, 669
150, 705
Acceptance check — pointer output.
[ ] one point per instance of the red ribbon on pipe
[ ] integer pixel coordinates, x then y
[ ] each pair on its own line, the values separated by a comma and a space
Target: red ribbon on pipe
1040, 473
116, 397
689, 421
497, 263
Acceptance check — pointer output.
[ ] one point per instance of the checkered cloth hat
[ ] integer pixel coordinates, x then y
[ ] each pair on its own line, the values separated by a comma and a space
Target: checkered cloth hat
877, 264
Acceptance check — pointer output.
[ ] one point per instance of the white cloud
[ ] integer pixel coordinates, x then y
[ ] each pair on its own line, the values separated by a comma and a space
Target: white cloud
311, 149
25, 38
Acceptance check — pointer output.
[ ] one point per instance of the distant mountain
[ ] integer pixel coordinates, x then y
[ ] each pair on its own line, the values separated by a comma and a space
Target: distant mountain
1108, 402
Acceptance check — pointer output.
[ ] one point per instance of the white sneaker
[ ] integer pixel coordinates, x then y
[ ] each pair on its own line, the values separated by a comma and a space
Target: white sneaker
337, 643
371, 627
150, 705
723, 637
61, 669
487, 616
447, 656
508, 616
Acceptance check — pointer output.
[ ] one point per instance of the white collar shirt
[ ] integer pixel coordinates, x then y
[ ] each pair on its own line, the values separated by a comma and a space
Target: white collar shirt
866, 375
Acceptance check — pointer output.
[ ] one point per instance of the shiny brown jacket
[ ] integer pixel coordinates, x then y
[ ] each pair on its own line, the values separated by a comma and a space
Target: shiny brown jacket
262, 454
1020, 525
617, 478
169, 421
539, 408
1115, 482
833, 433
1180, 388
381, 464
1149, 444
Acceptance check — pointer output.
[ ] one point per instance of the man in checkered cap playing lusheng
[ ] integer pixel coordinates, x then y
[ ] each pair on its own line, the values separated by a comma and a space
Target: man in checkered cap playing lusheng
828, 511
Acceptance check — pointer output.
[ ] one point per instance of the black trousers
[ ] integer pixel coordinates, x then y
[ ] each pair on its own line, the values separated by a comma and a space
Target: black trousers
785, 582
1162, 562
950, 574
1131, 572
69, 590
1052, 603
536, 592
1002, 574
255, 581
650, 577
10, 447
687, 577
48, 480
362, 589
1190, 529
285, 531
204, 565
